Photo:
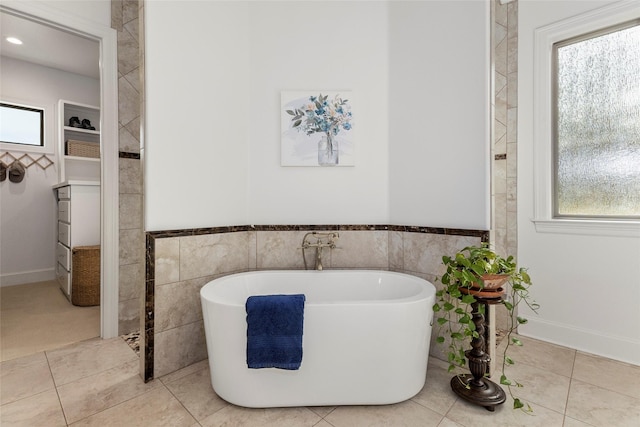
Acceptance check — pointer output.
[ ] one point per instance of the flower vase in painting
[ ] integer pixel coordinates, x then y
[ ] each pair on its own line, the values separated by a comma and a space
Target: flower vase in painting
323, 121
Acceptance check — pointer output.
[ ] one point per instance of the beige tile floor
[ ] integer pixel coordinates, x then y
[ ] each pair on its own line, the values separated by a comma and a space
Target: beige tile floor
96, 382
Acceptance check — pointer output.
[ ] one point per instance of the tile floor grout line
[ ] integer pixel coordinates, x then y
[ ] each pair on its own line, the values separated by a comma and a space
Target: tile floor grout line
323, 418
122, 403
446, 415
573, 367
566, 403
600, 386
55, 387
564, 421
24, 398
165, 384
182, 404
93, 374
99, 341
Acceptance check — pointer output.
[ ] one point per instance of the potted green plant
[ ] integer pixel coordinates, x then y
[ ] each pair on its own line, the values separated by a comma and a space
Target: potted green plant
475, 276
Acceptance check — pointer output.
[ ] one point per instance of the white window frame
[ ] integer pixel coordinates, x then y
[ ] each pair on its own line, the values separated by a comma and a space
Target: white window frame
545, 37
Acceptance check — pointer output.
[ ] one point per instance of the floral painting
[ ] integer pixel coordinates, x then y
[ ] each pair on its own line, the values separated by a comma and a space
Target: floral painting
317, 129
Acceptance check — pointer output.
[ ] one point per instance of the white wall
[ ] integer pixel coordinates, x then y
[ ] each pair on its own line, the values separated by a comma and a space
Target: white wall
439, 114
214, 74
339, 46
197, 62
588, 286
27, 209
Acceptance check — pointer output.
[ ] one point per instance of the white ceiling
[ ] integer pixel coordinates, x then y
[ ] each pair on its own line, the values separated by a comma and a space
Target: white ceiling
49, 46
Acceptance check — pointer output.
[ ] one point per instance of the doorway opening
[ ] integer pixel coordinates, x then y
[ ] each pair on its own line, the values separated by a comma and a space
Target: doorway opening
106, 42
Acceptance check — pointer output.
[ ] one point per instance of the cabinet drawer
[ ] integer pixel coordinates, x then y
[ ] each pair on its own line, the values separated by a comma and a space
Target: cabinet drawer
64, 233
64, 192
64, 280
64, 210
64, 256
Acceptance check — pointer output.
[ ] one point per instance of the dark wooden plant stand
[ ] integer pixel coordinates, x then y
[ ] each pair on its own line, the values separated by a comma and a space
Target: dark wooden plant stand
475, 388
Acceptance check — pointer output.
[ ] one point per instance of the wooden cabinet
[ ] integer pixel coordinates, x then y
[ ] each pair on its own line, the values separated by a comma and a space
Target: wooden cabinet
78, 224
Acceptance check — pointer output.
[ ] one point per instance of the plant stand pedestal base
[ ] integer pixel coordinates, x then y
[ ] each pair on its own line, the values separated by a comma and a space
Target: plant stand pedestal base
486, 393
475, 388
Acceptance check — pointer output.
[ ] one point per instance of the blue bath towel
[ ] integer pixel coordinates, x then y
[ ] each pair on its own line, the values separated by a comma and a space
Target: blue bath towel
274, 331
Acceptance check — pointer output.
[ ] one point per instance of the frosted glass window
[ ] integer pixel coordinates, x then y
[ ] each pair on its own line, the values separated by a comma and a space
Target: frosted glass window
597, 134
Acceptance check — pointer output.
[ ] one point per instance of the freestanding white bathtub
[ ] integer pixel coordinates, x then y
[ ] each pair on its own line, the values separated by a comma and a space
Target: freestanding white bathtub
365, 341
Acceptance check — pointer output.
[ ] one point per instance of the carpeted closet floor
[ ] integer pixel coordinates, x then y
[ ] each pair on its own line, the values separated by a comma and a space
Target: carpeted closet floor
36, 317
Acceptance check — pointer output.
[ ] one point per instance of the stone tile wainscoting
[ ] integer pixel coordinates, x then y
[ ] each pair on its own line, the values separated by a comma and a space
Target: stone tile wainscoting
180, 262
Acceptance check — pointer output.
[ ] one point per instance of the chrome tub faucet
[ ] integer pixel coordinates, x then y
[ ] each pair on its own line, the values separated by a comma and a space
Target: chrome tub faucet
319, 241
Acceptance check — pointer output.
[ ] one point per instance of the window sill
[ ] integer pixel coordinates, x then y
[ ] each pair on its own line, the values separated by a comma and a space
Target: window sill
588, 227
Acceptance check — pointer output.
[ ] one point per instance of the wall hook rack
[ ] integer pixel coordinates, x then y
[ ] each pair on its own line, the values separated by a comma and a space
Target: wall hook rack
27, 160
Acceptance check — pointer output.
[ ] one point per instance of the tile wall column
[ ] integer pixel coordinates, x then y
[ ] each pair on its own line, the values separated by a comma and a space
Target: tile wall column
125, 20
505, 134
505, 58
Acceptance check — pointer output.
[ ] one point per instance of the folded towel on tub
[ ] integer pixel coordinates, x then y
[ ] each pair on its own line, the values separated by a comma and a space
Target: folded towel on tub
274, 331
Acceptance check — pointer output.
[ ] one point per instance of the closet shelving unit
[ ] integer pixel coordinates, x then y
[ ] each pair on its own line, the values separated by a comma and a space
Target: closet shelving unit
78, 189
76, 167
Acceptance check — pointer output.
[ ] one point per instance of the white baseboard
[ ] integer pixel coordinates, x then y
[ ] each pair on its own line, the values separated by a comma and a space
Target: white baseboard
614, 347
23, 277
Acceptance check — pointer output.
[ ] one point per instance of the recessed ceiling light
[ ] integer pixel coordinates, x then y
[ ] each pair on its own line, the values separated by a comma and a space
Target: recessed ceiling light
14, 40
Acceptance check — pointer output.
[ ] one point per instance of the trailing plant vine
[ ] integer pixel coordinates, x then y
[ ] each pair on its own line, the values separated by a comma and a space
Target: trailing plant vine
453, 312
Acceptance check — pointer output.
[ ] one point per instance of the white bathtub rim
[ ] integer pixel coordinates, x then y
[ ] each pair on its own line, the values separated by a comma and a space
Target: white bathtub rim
427, 290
